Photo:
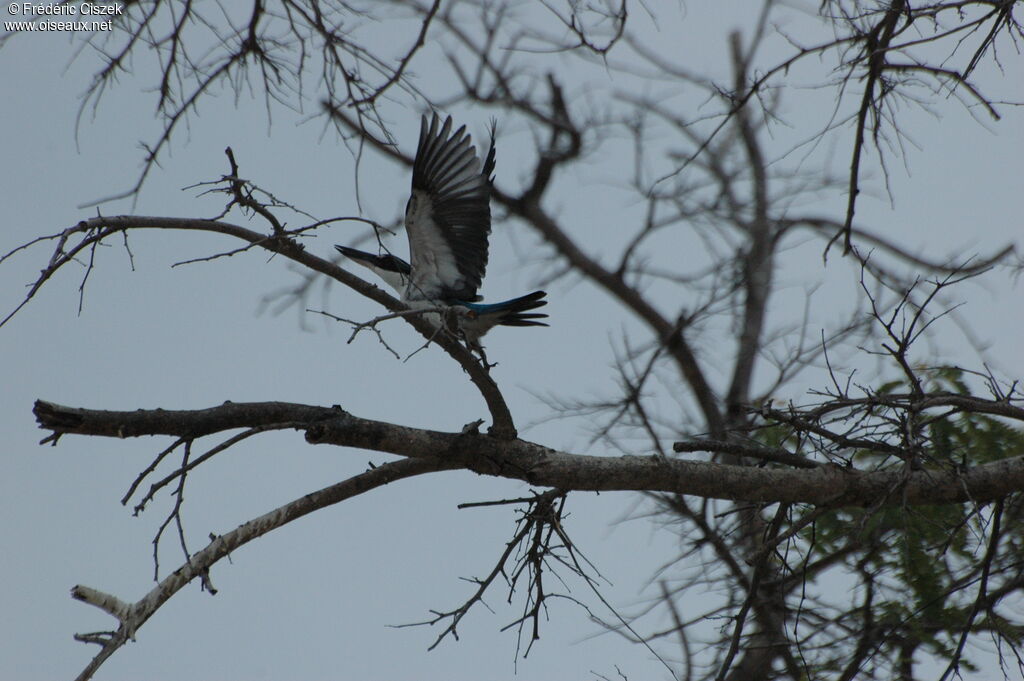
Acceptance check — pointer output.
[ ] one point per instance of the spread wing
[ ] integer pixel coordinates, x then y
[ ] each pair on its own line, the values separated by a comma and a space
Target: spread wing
448, 218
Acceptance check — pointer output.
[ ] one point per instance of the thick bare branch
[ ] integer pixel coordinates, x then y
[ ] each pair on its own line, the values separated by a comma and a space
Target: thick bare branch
542, 466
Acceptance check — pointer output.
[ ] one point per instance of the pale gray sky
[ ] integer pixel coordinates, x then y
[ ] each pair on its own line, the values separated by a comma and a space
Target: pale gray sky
313, 600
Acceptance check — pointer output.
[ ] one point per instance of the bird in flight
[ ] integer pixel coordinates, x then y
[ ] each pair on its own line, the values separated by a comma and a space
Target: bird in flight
448, 220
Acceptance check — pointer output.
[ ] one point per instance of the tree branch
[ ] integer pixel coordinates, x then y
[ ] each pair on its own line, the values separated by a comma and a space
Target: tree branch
828, 485
95, 230
132, 617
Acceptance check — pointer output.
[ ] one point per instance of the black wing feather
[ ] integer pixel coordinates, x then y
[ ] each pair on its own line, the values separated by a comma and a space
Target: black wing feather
445, 171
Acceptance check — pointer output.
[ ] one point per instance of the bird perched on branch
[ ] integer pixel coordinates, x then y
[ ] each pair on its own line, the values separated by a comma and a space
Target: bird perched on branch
448, 220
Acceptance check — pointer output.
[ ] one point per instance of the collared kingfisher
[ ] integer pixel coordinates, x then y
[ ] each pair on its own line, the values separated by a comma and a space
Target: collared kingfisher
448, 220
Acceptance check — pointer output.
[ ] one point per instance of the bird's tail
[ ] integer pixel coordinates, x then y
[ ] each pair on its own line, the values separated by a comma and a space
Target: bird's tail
514, 312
